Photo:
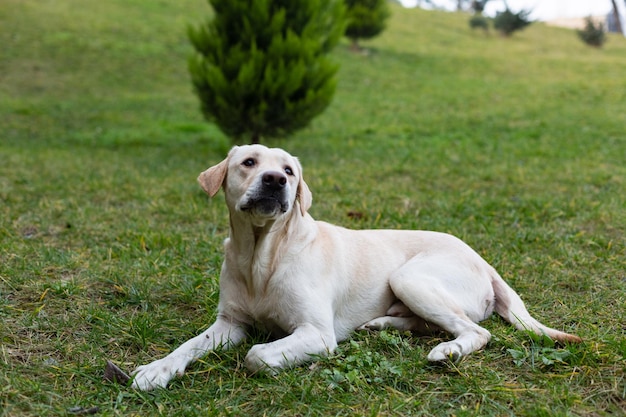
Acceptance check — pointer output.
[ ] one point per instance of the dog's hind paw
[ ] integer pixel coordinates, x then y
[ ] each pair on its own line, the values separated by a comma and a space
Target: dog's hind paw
447, 351
379, 323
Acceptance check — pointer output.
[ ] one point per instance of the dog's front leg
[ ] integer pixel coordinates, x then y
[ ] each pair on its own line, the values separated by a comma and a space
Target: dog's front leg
305, 342
223, 332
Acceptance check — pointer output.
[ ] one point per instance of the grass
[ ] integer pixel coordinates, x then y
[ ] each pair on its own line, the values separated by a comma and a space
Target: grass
109, 250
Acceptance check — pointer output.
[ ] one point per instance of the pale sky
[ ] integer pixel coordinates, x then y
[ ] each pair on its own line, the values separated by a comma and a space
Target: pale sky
543, 9
551, 9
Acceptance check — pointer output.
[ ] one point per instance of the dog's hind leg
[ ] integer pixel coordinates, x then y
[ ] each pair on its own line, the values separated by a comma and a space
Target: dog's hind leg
414, 324
425, 288
400, 317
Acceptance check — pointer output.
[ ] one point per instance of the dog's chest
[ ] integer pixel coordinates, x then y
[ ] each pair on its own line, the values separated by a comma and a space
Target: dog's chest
273, 288
275, 308
270, 317
272, 328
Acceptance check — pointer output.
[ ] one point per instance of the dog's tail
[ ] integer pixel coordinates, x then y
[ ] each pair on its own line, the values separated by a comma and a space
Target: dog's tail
510, 306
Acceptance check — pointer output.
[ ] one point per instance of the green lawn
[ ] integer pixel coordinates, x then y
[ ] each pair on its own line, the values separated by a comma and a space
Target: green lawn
110, 250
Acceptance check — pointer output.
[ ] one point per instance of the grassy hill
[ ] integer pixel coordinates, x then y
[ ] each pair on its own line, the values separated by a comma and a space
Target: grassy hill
109, 250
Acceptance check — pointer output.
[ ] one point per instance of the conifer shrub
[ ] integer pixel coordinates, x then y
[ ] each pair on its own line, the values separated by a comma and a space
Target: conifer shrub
478, 21
366, 19
593, 33
507, 22
261, 68
478, 6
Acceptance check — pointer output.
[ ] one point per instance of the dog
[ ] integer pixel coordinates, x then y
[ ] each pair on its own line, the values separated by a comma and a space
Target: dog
311, 284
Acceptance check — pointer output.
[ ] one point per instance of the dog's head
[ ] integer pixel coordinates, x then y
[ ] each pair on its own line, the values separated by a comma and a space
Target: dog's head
262, 182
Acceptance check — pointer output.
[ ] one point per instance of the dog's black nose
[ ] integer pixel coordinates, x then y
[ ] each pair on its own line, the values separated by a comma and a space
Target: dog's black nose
274, 180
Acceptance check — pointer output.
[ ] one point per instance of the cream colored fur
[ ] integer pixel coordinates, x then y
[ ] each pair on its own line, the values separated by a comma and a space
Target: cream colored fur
311, 283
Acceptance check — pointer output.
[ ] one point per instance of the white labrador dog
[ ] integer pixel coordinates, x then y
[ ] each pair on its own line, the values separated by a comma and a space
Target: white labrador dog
311, 283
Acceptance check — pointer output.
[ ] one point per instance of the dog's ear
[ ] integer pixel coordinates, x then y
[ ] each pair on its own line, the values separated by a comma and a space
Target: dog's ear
303, 194
212, 179
305, 197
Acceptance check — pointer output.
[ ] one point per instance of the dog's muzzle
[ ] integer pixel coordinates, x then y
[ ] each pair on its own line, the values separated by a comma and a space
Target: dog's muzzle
270, 197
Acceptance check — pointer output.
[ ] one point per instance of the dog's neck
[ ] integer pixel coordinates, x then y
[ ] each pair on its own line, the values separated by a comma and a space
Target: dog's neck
260, 247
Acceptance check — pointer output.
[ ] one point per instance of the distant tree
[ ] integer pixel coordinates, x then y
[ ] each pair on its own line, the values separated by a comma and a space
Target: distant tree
478, 6
593, 34
261, 67
618, 23
507, 22
478, 21
462, 5
366, 19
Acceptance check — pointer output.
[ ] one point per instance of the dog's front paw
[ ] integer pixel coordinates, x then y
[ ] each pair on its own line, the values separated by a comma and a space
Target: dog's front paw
262, 359
156, 374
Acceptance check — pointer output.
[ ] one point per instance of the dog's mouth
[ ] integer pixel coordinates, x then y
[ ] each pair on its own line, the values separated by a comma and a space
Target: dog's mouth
265, 206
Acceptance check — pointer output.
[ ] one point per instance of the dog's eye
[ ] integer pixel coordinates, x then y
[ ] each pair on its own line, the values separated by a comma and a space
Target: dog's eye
249, 162
288, 171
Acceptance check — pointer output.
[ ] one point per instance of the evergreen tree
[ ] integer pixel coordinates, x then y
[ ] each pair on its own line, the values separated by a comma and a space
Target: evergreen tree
507, 22
593, 34
478, 6
366, 19
262, 66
